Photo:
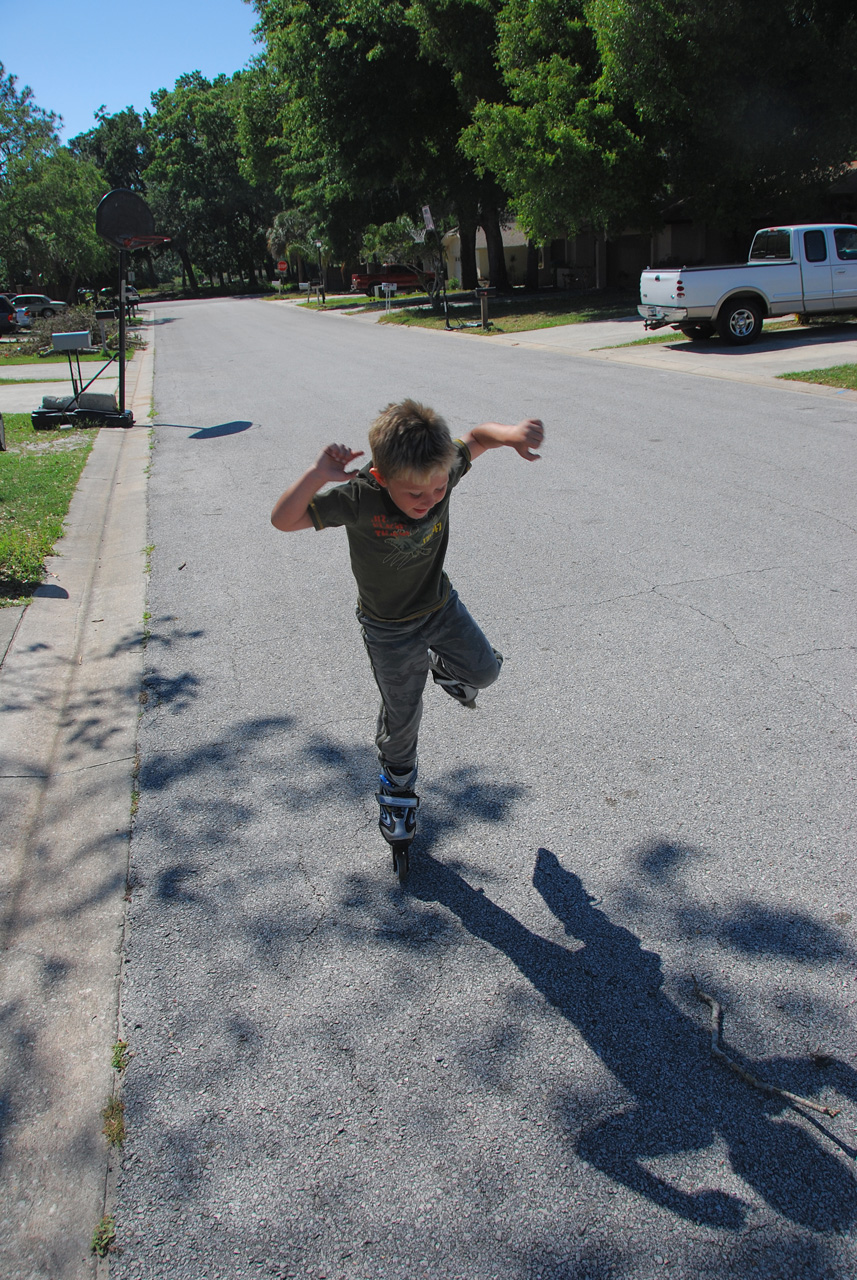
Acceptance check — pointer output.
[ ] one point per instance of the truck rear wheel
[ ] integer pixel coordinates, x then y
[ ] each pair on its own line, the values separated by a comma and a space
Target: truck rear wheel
740, 321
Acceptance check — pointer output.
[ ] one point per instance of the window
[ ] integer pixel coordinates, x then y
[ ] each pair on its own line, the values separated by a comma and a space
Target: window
814, 246
846, 243
776, 243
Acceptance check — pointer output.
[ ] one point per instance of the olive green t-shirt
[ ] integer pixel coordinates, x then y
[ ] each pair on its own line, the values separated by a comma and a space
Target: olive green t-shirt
397, 561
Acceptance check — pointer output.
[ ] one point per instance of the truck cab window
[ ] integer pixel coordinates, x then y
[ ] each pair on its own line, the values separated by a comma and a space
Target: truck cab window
846, 243
773, 243
814, 246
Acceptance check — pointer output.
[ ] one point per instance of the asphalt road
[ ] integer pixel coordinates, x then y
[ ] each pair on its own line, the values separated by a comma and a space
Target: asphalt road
504, 1071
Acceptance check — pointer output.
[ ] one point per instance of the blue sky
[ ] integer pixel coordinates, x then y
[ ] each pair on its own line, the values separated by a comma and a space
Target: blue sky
77, 54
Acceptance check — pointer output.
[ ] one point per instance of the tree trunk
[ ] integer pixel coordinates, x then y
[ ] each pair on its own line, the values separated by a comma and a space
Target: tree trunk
497, 275
532, 282
187, 270
146, 256
467, 237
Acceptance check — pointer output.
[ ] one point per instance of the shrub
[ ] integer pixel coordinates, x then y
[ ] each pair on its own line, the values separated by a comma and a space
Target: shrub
37, 338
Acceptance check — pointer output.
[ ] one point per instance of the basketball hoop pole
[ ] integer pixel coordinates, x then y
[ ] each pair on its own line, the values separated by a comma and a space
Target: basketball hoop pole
123, 259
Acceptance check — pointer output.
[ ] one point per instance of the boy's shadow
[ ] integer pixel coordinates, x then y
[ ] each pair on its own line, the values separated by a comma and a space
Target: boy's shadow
682, 1100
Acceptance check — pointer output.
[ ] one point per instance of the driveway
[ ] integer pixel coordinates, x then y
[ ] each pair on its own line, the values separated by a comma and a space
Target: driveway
778, 351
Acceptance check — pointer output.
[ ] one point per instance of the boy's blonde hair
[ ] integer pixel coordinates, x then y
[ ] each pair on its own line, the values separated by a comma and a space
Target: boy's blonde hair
409, 441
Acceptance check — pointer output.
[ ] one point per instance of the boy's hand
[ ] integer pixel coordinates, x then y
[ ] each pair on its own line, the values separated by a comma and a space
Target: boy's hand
332, 463
526, 437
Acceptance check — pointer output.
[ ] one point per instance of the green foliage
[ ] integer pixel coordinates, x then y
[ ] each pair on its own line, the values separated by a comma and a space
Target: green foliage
25, 129
617, 109
73, 320
572, 114
47, 224
104, 1237
117, 148
121, 1055
366, 128
392, 242
292, 237
750, 106
562, 150
196, 182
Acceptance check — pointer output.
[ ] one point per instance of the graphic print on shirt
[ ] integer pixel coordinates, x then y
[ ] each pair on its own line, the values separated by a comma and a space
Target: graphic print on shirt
408, 544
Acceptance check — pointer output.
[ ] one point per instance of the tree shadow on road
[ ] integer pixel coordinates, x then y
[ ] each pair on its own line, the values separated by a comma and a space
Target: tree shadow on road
680, 1101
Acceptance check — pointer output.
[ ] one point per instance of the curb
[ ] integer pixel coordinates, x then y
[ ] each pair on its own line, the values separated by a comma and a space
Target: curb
69, 690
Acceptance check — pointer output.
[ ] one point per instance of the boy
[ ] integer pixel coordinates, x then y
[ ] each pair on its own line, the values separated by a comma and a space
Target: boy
395, 513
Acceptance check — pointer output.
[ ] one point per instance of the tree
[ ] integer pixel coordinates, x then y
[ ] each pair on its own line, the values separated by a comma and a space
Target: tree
290, 236
459, 38
47, 199
749, 107
196, 184
619, 109
567, 157
48, 221
25, 129
359, 123
116, 146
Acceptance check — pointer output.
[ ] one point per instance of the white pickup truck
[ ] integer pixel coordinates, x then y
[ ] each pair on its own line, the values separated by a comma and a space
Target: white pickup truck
809, 270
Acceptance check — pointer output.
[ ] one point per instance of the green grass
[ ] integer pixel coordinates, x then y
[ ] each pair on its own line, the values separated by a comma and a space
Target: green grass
345, 302
843, 376
113, 1116
520, 313
647, 342
38, 475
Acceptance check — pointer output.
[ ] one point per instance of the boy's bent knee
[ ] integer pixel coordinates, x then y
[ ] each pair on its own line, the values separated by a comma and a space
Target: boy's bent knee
482, 678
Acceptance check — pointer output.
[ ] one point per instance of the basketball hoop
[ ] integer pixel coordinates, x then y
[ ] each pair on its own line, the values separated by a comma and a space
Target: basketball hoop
124, 220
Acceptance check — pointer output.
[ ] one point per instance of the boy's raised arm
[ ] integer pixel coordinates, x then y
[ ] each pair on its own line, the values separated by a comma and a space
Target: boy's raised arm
291, 510
525, 437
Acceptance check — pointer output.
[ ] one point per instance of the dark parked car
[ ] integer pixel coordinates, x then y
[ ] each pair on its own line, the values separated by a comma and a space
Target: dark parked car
39, 304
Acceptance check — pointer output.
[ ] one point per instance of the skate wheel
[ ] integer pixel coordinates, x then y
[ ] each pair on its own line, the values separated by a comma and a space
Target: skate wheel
401, 861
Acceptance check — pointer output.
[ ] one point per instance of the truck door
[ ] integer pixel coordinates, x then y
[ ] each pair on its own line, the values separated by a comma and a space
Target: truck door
815, 271
845, 269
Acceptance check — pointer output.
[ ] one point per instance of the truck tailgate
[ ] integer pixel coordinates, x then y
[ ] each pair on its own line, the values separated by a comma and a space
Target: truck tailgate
657, 288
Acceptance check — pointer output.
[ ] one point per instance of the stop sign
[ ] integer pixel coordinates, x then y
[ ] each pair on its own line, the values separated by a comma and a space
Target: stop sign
282, 266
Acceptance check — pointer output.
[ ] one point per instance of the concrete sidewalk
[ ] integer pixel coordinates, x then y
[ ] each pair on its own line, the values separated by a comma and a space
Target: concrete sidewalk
69, 687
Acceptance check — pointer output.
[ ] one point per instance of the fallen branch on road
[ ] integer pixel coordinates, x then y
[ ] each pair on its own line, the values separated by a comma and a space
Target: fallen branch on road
754, 1083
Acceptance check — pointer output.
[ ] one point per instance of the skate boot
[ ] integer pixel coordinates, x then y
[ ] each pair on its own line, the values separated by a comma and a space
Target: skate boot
398, 817
463, 693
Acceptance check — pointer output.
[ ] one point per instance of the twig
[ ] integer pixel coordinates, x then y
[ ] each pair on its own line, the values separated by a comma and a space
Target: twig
746, 1076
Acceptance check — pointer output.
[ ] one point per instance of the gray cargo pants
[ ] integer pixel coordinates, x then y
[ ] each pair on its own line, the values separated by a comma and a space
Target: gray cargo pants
399, 654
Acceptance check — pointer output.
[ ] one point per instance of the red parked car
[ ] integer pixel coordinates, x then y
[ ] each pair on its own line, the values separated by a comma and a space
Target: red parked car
391, 273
